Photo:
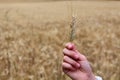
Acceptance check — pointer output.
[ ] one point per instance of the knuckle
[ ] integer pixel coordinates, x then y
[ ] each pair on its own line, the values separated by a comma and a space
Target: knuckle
72, 54
84, 57
63, 64
65, 57
74, 63
64, 50
69, 66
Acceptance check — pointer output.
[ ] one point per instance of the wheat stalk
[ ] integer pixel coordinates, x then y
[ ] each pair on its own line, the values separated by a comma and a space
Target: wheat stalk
72, 26
8, 40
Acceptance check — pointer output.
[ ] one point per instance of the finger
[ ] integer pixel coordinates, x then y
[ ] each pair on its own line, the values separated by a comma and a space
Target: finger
71, 61
67, 66
71, 54
81, 56
70, 46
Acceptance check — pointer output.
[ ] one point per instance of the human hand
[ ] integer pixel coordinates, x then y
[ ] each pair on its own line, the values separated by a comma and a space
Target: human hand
75, 65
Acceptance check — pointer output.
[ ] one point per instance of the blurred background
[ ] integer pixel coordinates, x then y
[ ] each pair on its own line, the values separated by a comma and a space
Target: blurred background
49, 0
33, 34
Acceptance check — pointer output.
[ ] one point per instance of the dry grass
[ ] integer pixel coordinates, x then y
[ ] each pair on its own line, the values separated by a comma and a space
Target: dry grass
32, 38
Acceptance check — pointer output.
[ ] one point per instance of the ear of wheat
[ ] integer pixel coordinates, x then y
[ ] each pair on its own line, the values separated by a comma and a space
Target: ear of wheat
72, 26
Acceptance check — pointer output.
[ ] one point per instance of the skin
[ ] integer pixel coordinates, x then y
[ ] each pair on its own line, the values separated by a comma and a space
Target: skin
75, 65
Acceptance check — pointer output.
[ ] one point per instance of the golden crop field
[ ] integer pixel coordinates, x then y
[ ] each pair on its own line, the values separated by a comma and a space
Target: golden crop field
32, 36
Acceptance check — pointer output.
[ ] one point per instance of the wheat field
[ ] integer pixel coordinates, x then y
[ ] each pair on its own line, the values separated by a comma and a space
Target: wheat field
32, 36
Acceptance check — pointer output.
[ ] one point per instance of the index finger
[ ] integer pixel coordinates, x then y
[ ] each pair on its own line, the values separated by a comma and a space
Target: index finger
71, 54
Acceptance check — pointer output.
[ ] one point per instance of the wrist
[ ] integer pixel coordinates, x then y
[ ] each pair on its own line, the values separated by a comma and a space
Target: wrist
92, 77
87, 77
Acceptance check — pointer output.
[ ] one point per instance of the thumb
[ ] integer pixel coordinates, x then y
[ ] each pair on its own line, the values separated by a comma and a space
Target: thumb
70, 46
85, 66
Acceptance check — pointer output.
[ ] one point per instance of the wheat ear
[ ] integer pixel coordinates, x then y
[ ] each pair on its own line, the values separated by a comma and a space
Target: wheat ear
72, 26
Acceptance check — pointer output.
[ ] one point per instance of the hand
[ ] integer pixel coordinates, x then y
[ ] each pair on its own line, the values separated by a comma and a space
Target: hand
75, 65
